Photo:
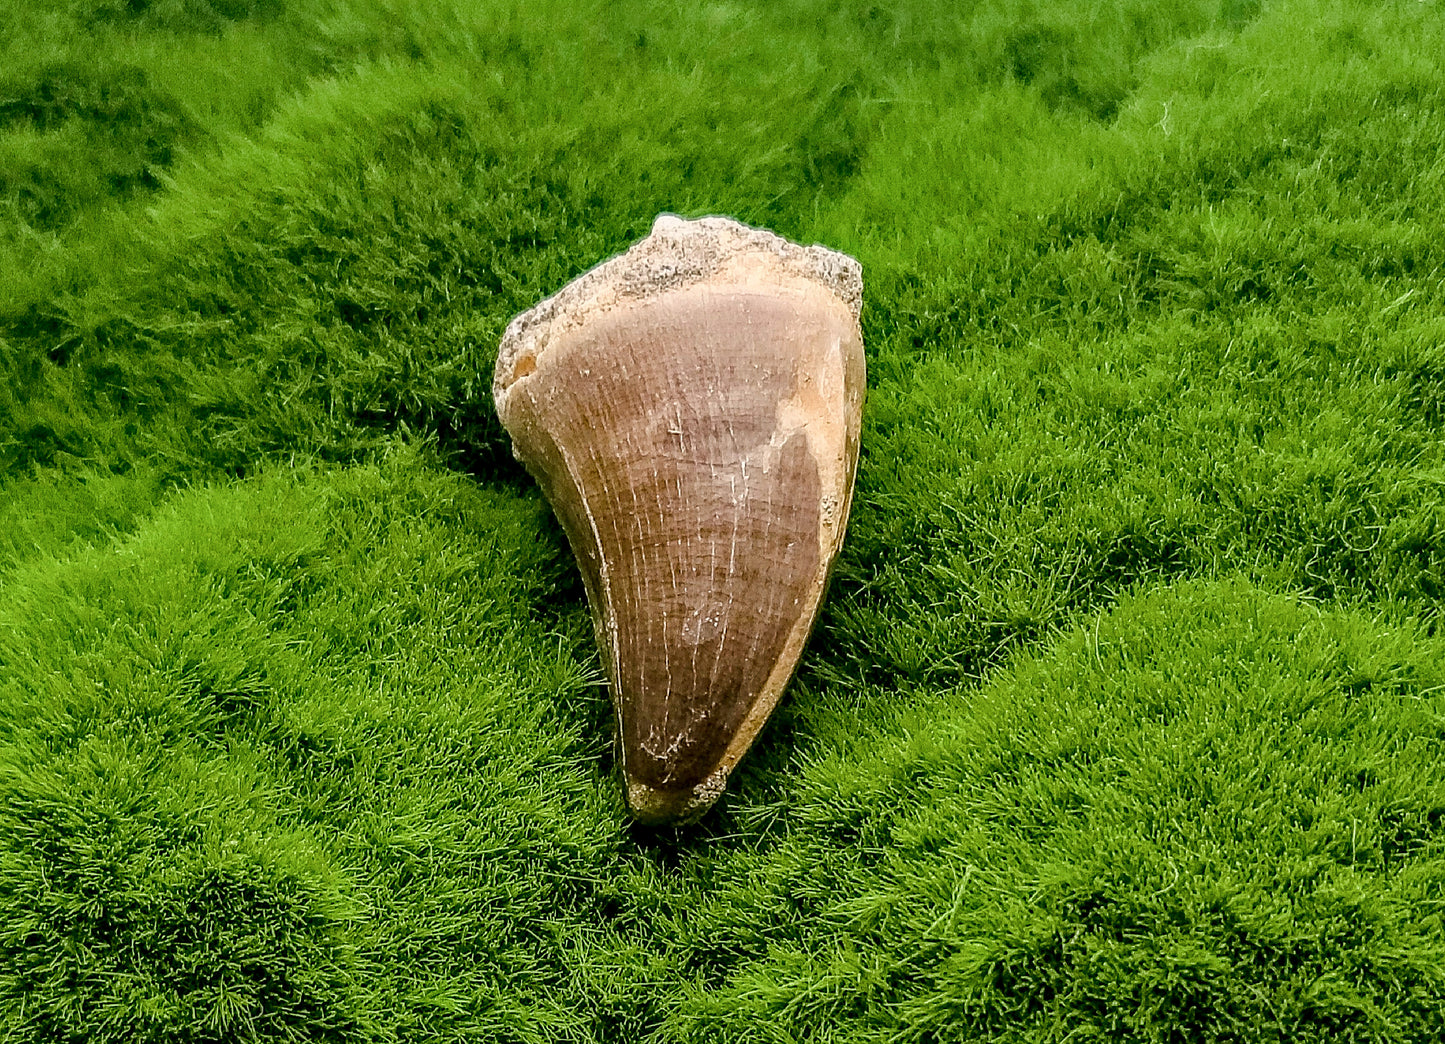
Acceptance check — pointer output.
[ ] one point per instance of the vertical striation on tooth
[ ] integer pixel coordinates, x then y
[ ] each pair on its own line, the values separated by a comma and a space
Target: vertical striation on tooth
691, 410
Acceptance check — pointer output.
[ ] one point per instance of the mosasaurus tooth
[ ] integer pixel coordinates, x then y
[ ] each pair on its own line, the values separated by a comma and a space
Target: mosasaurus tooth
691, 409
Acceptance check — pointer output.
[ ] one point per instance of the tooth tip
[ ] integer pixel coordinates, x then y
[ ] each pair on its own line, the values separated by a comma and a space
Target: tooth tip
651, 806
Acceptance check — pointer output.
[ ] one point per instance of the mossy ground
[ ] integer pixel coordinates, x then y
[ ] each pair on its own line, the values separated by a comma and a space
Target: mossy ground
1126, 716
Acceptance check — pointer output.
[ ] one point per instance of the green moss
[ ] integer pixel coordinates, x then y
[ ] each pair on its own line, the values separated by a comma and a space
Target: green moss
127, 131
1121, 722
1208, 815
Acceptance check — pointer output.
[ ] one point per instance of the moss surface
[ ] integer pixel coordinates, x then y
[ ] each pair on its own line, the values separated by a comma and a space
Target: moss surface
1124, 717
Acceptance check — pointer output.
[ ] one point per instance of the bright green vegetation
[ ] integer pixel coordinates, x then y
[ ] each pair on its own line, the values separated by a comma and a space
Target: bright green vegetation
1126, 717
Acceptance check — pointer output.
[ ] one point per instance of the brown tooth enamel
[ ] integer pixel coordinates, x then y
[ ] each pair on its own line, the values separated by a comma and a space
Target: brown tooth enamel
691, 409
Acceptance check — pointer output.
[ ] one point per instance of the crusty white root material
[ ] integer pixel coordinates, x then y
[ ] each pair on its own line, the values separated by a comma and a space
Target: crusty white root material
676, 254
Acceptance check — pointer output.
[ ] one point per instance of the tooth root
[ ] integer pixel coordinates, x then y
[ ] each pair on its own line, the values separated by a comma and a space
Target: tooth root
691, 410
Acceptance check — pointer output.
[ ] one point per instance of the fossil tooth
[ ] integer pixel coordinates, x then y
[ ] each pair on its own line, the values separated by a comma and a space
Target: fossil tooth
691, 409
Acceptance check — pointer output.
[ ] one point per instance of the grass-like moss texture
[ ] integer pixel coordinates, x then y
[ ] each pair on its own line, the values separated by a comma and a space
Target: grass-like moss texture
1125, 720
